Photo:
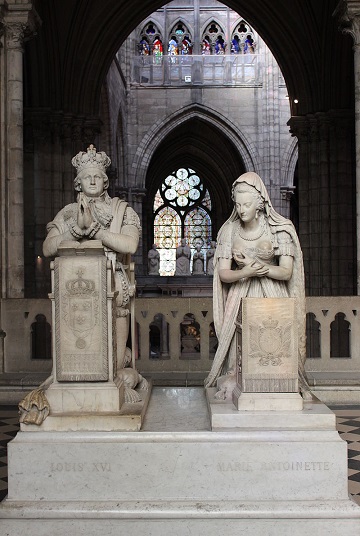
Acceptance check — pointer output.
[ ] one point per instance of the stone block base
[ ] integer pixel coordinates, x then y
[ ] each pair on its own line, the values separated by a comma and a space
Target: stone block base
91, 407
180, 519
312, 416
267, 401
261, 478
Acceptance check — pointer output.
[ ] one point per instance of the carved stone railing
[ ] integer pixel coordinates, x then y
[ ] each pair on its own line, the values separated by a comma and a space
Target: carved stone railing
171, 347
334, 328
240, 69
333, 337
175, 336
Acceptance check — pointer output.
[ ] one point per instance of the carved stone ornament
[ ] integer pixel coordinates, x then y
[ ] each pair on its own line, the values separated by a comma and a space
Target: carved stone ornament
131, 379
81, 318
268, 345
270, 342
34, 408
91, 158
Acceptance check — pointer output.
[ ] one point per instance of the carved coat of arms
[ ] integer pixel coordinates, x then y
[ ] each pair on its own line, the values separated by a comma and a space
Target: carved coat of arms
81, 307
270, 342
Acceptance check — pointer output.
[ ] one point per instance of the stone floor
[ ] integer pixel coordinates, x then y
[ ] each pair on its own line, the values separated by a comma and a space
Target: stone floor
186, 405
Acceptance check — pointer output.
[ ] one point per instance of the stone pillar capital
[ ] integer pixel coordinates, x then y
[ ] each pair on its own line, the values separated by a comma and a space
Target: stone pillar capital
299, 127
347, 14
287, 192
313, 127
138, 194
18, 21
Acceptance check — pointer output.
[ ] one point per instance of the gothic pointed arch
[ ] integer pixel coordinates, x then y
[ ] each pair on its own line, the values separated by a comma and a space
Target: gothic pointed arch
181, 28
182, 33
245, 147
150, 33
243, 38
196, 144
289, 160
213, 37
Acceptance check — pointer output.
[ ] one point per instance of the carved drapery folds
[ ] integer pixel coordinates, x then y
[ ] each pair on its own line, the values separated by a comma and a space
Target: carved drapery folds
326, 200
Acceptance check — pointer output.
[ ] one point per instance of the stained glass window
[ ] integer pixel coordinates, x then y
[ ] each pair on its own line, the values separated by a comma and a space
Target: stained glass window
182, 209
197, 226
150, 41
167, 236
243, 39
213, 39
207, 200
158, 201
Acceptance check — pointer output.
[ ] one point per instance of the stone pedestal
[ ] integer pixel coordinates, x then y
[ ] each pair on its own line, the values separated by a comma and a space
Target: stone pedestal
274, 474
267, 339
86, 391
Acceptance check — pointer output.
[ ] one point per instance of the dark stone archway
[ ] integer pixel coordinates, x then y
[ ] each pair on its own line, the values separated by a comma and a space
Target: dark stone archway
199, 145
68, 61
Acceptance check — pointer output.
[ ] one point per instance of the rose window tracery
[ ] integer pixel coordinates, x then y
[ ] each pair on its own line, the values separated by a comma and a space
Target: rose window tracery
182, 209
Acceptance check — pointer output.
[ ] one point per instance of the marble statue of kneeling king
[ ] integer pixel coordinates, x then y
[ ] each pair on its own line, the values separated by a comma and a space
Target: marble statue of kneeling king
97, 216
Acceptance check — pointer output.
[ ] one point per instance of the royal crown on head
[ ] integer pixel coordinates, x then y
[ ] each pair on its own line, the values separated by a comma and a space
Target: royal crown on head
91, 158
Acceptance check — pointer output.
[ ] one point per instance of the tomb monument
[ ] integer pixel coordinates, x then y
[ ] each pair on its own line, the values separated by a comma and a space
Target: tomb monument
270, 462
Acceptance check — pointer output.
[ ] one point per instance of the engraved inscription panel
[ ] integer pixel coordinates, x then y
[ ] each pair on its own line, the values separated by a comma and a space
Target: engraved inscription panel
81, 318
269, 345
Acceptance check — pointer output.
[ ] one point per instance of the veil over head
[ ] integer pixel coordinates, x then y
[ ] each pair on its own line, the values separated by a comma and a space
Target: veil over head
253, 179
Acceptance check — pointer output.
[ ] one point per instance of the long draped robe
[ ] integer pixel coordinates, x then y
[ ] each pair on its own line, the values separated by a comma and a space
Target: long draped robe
227, 297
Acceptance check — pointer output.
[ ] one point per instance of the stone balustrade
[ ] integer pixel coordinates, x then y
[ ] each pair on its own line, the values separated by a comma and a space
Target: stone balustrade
240, 69
176, 339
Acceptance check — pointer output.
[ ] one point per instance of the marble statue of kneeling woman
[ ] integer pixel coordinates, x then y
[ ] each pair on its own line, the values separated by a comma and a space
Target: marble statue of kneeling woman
258, 255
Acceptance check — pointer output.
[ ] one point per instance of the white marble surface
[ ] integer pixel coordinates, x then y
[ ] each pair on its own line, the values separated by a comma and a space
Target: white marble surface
280, 402
182, 409
313, 416
199, 466
84, 397
212, 523
178, 477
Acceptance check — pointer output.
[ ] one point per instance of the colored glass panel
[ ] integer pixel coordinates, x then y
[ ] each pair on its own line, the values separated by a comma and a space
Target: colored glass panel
179, 215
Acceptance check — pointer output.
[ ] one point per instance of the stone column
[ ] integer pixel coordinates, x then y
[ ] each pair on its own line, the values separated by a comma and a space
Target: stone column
197, 36
286, 193
326, 201
18, 22
348, 14
136, 201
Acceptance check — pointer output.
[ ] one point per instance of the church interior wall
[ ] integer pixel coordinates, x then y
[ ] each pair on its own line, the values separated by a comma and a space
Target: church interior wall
74, 95
54, 135
258, 113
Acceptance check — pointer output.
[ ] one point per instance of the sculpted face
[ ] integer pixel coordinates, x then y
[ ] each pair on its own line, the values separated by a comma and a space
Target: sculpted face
246, 206
92, 182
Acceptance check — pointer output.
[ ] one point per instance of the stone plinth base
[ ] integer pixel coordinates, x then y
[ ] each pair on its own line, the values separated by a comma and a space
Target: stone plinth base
92, 407
135, 518
267, 401
262, 478
88, 397
313, 416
